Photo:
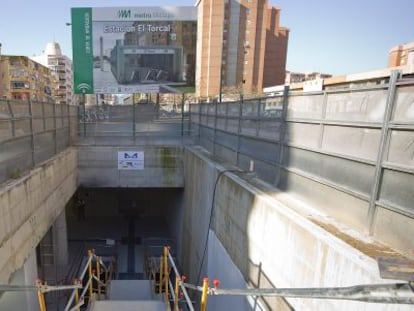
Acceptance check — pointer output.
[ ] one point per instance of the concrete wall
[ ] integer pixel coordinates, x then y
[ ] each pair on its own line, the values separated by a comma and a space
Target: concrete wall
258, 226
30, 205
98, 167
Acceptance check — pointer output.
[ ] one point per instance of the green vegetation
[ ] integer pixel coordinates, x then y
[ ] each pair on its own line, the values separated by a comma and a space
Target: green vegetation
15, 173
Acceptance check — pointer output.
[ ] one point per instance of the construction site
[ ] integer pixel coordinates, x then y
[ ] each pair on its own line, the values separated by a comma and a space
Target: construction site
295, 201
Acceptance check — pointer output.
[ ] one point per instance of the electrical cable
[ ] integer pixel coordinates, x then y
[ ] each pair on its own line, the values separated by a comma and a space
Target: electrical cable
211, 217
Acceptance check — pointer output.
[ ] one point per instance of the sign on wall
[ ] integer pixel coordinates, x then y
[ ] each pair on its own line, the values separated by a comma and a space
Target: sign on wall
130, 160
133, 50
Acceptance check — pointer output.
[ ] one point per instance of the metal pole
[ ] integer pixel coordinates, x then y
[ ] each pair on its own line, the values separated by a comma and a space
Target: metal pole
98, 275
215, 128
182, 279
382, 148
239, 128
282, 134
176, 292
161, 280
166, 274
84, 119
54, 129
379, 293
41, 296
90, 275
12, 118
204, 294
76, 294
182, 115
32, 138
133, 121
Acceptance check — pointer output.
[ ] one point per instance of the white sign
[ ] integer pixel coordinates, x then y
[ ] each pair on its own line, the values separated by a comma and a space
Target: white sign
130, 160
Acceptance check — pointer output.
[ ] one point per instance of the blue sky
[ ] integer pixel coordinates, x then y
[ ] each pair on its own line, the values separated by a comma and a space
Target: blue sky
331, 36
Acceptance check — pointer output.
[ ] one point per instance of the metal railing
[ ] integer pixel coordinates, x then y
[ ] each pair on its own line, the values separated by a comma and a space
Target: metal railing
355, 141
98, 275
32, 132
133, 124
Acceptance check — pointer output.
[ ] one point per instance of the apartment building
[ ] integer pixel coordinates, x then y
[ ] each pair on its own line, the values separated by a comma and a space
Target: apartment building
24, 79
61, 68
241, 47
401, 55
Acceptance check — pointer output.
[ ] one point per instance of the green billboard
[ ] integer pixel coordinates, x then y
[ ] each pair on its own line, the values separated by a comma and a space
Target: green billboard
133, 50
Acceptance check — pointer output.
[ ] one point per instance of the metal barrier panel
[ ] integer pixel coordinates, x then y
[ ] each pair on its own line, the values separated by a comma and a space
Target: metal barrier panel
147, 123
32, 132
353, 142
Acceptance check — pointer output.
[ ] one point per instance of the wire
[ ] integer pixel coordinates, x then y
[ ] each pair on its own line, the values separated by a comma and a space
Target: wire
211, 218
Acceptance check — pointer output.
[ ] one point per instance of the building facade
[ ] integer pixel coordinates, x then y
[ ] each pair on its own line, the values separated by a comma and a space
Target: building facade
61, 67
240, 48
295, 77
25, 79
401, 55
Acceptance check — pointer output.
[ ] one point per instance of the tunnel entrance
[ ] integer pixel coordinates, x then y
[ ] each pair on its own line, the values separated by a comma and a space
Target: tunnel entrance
117, 222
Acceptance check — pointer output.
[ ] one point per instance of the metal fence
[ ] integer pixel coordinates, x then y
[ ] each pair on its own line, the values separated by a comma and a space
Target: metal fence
144, 123
32, 132
347, 151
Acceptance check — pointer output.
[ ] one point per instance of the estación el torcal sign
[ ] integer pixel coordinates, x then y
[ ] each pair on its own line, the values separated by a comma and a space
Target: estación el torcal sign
133, 50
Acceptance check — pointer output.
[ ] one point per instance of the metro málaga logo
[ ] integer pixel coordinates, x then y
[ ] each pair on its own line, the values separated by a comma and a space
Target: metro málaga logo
124, 14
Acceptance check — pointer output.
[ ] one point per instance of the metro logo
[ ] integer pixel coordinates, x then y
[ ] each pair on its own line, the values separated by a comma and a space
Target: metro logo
124, 13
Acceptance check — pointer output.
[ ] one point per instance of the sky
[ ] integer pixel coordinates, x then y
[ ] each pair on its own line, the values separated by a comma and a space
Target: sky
330, 36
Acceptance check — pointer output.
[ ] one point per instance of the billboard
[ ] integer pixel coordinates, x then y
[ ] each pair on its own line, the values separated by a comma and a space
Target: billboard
133, 50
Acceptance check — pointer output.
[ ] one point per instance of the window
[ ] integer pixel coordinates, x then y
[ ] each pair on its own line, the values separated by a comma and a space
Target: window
20, 85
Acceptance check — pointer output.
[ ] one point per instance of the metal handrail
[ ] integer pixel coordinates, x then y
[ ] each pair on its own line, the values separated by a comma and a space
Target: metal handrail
181, 284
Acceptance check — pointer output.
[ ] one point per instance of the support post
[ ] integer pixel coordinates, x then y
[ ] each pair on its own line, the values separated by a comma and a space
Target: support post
41, 296
166, 274
98, 275
383, 148
204, 294
90, 275
161, 280
76, 295
176, 292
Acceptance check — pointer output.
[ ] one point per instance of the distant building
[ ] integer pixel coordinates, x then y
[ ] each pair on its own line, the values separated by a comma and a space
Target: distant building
401, 55
24, 79
295, 77
61, 67
240, 46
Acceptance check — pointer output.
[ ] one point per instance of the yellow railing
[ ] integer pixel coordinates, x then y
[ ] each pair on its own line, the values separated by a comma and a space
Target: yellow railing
94, 267
172, 291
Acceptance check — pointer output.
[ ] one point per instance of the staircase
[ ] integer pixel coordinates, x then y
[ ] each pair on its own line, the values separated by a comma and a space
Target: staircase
131, 295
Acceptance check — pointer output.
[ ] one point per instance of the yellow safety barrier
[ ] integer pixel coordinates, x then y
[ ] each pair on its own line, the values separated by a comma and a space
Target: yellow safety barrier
41, 296
166, 275
98, 274
204, 294
161, 275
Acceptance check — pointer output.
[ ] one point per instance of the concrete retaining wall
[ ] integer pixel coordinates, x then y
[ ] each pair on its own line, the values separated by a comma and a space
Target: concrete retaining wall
259, 227
163, 167
30, 205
